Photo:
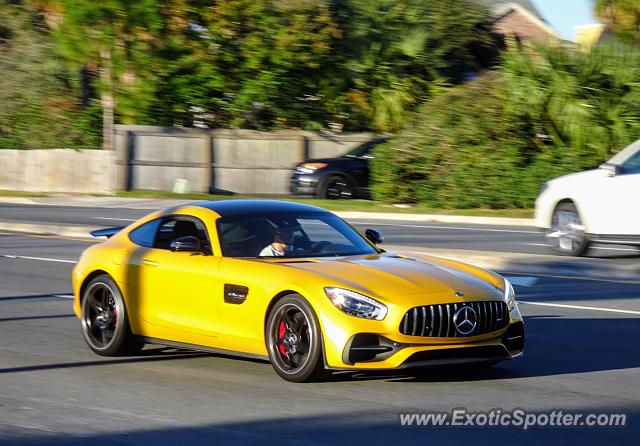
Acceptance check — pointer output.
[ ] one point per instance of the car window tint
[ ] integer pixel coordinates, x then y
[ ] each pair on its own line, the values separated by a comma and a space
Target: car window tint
360, 150
244, 237
632, 165
365, 150
145, 234
305, 234
175, 227
318, 231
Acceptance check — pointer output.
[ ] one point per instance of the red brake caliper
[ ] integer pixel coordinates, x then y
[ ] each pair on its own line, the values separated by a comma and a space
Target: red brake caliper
281, 330
115, 315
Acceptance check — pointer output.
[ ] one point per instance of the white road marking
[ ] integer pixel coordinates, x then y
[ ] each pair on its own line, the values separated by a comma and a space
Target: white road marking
117, 219
456, 228
593, 247
522, 280
9, 256
63, 296
579, 307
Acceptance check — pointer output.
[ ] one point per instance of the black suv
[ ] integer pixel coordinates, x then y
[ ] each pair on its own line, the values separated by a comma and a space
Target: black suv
343, 177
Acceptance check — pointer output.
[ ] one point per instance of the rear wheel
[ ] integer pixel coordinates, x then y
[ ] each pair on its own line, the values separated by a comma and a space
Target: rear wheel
567, 233
104, 320
294, 340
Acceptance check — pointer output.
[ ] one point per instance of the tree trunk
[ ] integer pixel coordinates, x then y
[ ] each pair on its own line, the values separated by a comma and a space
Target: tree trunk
107, 100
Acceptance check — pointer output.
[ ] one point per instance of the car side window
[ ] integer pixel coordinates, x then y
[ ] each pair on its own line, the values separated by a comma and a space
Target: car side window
632, 165
145, 234
178, 226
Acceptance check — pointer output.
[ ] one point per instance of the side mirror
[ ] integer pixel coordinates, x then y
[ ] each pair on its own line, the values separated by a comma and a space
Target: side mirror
374, 236
188, 243
611, 169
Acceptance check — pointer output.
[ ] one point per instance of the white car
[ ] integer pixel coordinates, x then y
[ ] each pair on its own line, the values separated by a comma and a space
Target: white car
601, 205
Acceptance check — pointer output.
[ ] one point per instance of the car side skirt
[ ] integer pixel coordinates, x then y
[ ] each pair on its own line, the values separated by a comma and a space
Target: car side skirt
201, 348
615, 239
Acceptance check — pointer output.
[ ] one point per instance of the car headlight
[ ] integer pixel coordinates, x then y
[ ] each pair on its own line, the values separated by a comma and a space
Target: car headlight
356, 304
509, 295
310, 167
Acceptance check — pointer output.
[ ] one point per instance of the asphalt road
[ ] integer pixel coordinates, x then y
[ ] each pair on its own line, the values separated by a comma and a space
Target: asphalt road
54, 390
516, 239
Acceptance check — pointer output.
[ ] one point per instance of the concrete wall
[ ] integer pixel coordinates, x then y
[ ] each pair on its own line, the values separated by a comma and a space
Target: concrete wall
153, 158
235, 161
58, 170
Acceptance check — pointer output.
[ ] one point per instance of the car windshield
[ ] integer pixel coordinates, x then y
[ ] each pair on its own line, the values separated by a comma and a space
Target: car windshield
290, 235
365, 149
359, 151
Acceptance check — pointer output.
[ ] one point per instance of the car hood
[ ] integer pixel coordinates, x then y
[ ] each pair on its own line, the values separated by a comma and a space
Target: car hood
579, 178
387, 275
327, 161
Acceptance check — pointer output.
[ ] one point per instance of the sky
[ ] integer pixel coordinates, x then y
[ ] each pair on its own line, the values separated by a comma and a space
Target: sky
563, 15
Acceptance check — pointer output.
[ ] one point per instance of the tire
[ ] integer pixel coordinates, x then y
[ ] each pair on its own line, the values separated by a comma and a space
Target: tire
567, 233
294, 340
335, 187
105, 325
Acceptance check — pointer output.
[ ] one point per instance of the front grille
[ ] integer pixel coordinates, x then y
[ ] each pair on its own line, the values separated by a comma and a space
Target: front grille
437, 320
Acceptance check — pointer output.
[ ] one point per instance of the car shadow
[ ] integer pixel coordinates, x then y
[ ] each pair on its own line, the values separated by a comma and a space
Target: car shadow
33, 296
151, 355
27, 318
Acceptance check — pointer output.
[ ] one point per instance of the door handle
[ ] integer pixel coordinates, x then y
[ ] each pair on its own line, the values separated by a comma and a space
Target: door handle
149, 262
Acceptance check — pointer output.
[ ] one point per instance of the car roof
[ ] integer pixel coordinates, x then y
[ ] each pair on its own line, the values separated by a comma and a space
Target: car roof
239, 208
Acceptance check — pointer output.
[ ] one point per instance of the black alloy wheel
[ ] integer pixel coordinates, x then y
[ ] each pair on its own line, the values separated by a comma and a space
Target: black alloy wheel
294, 340
336, 187
104, 321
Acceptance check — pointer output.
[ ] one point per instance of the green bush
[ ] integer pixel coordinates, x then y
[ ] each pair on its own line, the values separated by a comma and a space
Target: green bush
39, 108
494, 141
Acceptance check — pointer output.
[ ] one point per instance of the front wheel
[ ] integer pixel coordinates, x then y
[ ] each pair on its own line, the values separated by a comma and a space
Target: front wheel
567, 234
335, 187
294, 340
104, 320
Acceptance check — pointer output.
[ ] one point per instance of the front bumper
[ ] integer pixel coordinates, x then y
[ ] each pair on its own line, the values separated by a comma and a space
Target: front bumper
301, 184
365, 344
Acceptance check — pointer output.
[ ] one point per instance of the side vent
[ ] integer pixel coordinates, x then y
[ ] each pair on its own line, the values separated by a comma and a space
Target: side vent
235, 294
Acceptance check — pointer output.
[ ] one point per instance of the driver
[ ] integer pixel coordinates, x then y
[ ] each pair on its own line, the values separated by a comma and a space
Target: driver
282, 242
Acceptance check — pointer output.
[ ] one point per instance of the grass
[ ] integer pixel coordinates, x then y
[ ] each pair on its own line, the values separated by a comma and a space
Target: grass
18, 193
343, 205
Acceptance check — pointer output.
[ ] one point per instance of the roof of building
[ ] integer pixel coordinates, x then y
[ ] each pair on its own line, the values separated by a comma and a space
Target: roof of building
523, 7
498, 6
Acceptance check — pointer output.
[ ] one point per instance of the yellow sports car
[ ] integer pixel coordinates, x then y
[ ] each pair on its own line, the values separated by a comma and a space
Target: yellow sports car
292, 283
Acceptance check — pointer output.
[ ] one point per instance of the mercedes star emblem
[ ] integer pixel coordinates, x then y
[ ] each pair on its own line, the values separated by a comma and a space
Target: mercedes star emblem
465, 320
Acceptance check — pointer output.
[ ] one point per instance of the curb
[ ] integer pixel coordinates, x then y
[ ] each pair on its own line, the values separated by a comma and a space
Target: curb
437, 218
78, 232
156, 204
